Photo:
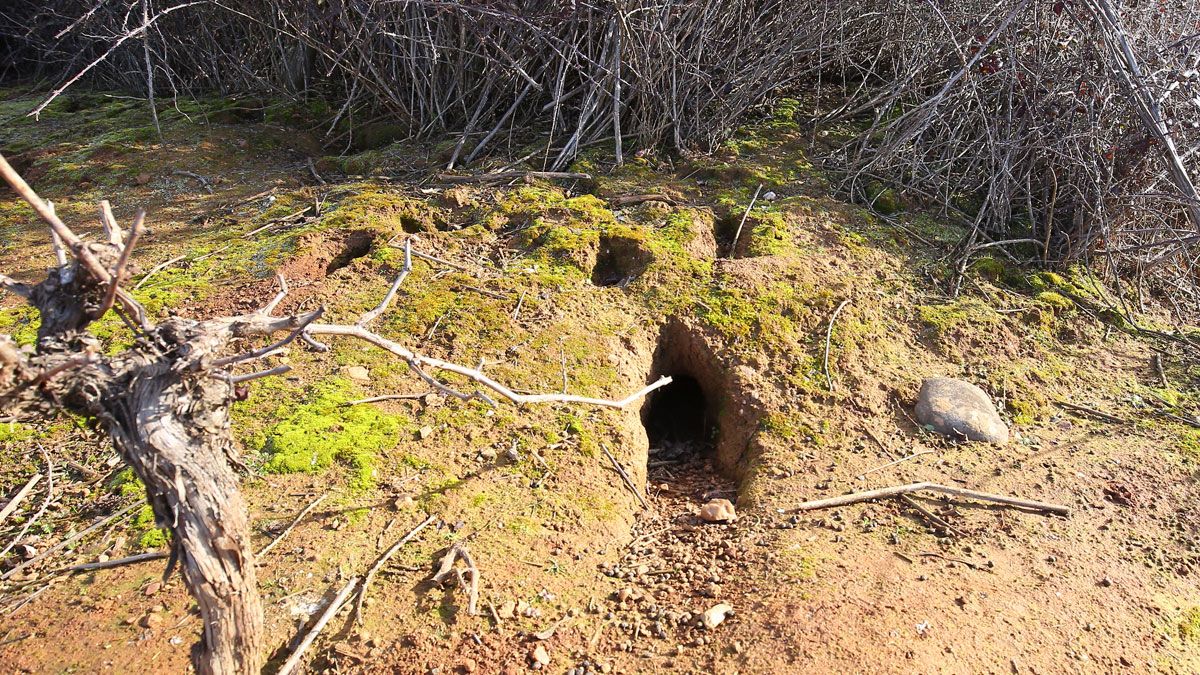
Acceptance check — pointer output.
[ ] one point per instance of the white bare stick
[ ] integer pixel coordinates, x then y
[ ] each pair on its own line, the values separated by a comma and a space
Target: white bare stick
893, 463
467, 578
829, 338
60, 252
420, 362
736, 235
297, 656
283, 291
856, 497
291, 526
387, 299
20, 496
156, 269
109, 222
520, 301
387, 555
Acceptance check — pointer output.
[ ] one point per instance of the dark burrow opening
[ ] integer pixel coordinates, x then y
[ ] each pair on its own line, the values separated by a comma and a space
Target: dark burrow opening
679, 421
355, 246
619, 261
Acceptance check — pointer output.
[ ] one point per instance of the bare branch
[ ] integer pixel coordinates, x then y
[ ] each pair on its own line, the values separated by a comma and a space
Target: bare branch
387, 299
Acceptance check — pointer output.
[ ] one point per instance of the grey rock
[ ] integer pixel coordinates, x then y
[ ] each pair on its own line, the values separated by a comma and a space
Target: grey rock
959, 410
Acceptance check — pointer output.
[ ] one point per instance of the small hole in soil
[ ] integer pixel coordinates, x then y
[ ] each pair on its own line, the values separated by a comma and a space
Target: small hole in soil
411, 225
678, 420
725, 229
620, 261
356, 245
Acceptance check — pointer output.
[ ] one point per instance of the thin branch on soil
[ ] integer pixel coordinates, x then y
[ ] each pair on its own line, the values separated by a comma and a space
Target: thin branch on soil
467, 578
116, 562
291, 526
312, 168
625, 477
71, 540
505, 176
387, 298
936, 519
893, 491
738, 233
297, 656
960, 561
45, 503
387, 555
156, 269
19, 497
893, 463
195, 176
520, 302
1094, 413
388, 397
828, 339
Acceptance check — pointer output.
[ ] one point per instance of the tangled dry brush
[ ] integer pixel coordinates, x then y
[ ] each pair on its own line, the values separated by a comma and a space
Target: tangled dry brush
1060, 130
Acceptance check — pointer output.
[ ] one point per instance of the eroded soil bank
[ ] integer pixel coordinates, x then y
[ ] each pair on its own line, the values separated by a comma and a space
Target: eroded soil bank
570, 286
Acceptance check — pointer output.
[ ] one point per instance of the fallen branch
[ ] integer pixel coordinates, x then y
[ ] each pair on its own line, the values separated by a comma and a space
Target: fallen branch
467, 577
933, 517
71, 540
156, 269
893, 463
195, 176
738, 233
297, 656
19, 497
387, 555
504, 176
625, 477
1094, 413
387, 397
630, 200
116, 562
828, 339
312, 168
868, 495
291, 526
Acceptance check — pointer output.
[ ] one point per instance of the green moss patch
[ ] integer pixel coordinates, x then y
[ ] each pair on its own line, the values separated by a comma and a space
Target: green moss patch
1189, 625
314, 434
947, 318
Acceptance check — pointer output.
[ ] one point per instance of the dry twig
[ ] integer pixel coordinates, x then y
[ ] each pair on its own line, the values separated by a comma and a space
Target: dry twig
880, 493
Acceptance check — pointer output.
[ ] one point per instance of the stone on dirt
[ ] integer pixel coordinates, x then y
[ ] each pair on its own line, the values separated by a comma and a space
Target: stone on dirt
718, 511
959, 410
714, 616
540, 655
358, 373
508, 610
